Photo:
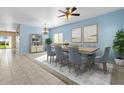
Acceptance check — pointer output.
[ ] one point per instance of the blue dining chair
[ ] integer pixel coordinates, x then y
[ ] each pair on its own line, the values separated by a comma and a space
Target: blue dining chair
50, 53
75, 59
103, 59
61, 57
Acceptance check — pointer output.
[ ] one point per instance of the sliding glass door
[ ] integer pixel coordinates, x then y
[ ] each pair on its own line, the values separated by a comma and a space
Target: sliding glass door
5, 42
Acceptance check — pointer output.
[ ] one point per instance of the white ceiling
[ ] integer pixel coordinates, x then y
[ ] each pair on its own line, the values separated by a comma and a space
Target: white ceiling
38, 16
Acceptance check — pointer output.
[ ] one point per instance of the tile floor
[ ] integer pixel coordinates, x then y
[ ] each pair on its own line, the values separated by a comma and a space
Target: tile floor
17, 69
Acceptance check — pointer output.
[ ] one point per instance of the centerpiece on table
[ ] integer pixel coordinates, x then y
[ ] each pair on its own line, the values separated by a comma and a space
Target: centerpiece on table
66, 43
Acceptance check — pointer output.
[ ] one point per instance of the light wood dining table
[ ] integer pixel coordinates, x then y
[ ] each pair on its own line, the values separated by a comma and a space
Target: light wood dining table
89, 52
84, 50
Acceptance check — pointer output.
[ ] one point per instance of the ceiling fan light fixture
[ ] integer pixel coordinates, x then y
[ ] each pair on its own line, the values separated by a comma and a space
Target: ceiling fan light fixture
67, 16
69, 13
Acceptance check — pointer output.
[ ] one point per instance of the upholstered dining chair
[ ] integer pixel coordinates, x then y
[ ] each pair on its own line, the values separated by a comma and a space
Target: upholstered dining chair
61, 57
50, 53
103, 59
75, 59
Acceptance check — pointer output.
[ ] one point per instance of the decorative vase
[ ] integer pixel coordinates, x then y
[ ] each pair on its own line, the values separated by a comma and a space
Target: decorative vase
119, 62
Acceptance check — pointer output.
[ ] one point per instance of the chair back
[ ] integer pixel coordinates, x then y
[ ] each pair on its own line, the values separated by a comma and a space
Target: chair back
106, 53
59, 52
74, 55
49, 50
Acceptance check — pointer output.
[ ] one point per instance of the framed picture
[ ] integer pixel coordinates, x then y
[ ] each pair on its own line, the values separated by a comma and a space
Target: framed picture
76, 35
90, 34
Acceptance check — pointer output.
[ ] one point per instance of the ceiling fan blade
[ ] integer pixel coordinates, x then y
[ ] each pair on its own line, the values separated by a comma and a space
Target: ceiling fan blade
61, 11
75, 14
73, 9
61, 15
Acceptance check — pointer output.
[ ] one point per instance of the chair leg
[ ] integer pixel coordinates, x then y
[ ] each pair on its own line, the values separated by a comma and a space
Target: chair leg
56, 61
47, 58
78, 70
53, 58
50, 59
69, 65
75, 67
96, 67
88, 64
60, 64
104, 68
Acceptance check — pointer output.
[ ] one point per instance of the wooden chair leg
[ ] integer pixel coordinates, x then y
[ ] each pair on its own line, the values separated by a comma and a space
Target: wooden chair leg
96, 67
104, 68
78, 69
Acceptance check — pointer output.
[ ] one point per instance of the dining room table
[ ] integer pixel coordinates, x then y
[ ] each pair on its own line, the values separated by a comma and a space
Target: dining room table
89, 53
83, 50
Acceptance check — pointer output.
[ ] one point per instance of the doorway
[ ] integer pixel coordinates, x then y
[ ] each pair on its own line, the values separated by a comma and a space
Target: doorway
5, 42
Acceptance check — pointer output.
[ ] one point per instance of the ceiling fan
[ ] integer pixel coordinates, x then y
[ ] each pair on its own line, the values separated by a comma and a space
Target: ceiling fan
69, 12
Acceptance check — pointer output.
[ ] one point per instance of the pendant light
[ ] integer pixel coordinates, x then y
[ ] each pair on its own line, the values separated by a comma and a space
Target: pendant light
45, 30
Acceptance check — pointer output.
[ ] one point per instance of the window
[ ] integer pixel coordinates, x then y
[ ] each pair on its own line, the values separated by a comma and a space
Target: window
58, 38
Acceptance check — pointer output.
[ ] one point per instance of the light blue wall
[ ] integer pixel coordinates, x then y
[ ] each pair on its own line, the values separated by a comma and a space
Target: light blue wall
25, 32
108, 24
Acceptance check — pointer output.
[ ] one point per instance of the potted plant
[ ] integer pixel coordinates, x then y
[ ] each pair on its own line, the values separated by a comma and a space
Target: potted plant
66, 43
48, 41
118, 46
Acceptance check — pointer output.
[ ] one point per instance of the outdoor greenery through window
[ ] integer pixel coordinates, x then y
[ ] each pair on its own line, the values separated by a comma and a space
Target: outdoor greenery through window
5, 42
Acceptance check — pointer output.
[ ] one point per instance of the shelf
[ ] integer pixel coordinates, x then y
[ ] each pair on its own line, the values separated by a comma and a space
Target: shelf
36, 43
